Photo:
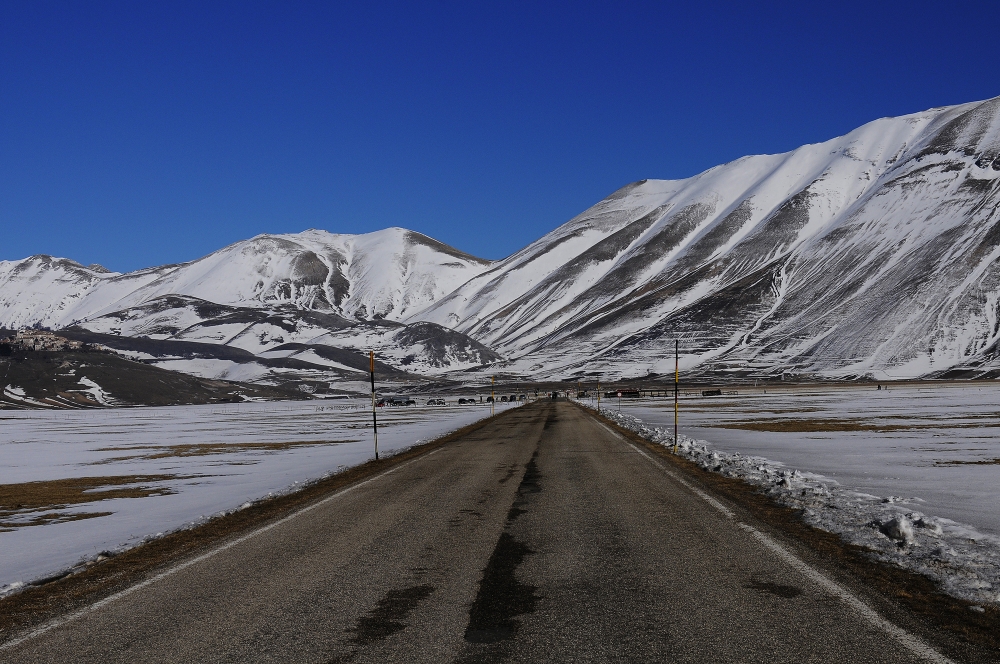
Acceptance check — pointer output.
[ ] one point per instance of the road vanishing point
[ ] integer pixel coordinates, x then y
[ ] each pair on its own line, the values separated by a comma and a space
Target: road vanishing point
542, 536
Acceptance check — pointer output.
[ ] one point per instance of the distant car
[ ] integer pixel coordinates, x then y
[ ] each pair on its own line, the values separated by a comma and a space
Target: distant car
397, 401
435, 402
469, 400
523, 397
489, 399
503, 398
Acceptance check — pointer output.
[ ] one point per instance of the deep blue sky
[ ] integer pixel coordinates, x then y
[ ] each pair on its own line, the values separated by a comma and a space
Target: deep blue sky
134, 134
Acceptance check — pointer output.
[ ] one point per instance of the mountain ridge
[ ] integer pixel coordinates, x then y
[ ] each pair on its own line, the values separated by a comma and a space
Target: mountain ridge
870, 254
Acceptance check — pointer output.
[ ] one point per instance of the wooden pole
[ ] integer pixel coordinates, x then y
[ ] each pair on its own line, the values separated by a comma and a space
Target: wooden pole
493, 395
677, 381
371, 358
598, 396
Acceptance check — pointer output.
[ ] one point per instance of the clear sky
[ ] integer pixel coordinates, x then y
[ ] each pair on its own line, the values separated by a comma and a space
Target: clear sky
138, 133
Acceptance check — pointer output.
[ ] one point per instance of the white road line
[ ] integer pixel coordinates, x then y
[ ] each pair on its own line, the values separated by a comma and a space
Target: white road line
857, 606
910, 642
59, 622
728, 513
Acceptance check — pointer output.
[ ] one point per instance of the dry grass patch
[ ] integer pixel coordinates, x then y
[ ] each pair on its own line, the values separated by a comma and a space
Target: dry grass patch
35, 503
207, 449
821, 425
817, 426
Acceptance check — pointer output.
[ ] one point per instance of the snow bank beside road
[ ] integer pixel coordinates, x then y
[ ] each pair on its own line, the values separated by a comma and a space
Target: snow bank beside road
965, 562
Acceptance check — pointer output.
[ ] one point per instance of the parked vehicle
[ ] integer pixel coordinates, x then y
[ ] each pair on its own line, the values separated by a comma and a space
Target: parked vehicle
396, 401
435, 402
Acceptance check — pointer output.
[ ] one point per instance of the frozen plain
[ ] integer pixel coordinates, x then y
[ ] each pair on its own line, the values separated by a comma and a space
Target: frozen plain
855, 458
212, 459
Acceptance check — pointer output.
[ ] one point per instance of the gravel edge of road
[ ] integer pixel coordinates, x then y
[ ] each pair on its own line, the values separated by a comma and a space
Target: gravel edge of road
912, 601
36, 605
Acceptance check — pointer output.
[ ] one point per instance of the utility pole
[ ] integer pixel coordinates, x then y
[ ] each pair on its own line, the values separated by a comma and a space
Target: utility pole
371, 358
493, 395
677, 382
598, 396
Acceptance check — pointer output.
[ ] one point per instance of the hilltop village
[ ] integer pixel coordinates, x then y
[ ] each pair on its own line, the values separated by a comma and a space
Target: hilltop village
38, 340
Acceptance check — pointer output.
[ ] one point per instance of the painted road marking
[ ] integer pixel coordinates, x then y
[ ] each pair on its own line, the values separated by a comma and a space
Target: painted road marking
856, 605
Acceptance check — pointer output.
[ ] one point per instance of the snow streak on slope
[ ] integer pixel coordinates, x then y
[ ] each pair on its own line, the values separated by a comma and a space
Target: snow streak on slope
279, 344
874, 252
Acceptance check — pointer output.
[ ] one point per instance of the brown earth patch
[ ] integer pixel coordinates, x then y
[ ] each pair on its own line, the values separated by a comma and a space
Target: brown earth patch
810, 426
207, 449
822, 425
34, 502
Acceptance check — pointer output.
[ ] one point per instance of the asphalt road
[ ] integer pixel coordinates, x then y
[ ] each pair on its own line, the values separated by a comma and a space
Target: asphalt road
541, 537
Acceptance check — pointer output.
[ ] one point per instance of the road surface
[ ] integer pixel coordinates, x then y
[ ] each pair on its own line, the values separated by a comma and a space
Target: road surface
543, 536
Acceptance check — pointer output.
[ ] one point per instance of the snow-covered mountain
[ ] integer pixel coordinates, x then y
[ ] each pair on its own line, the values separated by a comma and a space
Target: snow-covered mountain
875, 253
331, 296
386, 274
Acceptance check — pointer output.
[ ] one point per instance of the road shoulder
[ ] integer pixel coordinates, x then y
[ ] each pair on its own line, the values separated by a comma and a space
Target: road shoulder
908, 600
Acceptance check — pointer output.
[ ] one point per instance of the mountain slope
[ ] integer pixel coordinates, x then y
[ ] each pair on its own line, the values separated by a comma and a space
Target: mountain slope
279, 344
872, 252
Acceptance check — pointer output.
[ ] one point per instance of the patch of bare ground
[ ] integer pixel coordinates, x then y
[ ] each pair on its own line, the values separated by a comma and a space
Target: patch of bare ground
108, 574
821, 425
37, 503
908, 599
980, 462
150, 452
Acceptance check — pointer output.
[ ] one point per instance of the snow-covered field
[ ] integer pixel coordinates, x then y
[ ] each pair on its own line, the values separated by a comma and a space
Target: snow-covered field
912, 472
183, 465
